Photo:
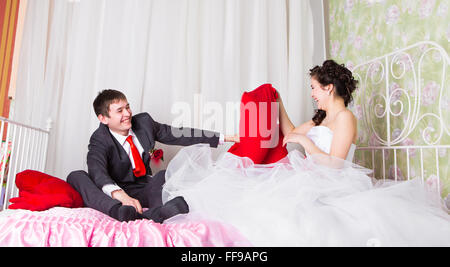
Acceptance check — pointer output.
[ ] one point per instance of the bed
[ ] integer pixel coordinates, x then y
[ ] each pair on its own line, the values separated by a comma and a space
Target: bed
85, 227
401, 104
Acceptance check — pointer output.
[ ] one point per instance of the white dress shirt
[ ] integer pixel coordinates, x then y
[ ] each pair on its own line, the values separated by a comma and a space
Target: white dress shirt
109, 188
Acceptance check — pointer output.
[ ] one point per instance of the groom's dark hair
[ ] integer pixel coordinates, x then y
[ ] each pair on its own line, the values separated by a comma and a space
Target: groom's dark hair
106, 98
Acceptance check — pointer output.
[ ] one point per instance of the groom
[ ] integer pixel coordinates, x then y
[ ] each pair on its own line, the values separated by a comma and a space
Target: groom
119, 181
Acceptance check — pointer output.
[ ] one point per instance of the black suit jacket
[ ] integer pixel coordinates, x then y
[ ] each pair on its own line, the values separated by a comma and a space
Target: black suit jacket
108, 162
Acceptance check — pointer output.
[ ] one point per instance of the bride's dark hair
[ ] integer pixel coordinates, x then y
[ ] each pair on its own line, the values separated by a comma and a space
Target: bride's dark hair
338, 75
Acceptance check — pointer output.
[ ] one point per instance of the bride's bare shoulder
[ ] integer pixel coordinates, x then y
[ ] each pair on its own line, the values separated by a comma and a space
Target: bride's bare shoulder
346, 116
346, 121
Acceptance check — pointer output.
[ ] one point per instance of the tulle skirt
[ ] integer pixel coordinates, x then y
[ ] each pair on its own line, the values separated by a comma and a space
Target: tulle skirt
313, 201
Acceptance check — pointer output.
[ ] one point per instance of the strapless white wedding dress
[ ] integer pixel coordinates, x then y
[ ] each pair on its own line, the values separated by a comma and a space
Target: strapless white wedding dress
306, 201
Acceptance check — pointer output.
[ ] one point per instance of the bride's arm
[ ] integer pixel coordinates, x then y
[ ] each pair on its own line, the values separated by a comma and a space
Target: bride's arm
303, 140
343, 136
304, 128
287, 126
285, 123
318, 156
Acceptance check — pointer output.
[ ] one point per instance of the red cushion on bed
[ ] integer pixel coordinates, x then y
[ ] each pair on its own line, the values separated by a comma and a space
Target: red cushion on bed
39, 191
261, 138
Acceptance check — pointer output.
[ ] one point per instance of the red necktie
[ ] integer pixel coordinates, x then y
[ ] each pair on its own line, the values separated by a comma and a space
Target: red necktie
139, 167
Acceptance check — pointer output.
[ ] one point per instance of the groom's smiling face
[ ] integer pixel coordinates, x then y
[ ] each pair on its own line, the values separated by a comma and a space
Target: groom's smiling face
119, 119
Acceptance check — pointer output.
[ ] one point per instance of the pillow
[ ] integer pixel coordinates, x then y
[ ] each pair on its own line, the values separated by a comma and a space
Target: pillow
39, 191
261, 138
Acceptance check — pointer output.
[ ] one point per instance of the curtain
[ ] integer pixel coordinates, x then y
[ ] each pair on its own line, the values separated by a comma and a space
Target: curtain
8, 25
165, 55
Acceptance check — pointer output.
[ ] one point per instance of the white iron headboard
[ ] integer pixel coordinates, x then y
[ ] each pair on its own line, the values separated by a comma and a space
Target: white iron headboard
402, 104
22, 147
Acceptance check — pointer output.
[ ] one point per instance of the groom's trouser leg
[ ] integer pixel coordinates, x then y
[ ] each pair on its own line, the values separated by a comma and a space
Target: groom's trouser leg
92, 196
148, 190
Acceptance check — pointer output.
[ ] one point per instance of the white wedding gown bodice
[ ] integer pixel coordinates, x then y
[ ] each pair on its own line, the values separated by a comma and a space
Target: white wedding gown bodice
322, 137
299, 202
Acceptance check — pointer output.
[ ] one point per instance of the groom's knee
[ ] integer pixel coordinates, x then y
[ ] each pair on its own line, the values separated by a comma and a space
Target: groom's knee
161, 177
75, 178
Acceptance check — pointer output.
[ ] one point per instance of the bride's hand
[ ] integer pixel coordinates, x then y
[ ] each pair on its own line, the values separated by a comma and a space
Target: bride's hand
293, 138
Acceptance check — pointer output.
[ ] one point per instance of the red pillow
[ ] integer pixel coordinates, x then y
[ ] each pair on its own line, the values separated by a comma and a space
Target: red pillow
39, 191
261, 138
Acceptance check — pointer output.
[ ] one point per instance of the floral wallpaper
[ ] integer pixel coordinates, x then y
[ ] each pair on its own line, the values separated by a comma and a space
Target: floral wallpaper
414, 81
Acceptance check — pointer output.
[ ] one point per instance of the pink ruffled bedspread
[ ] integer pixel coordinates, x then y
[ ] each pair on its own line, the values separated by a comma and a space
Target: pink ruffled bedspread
63, 227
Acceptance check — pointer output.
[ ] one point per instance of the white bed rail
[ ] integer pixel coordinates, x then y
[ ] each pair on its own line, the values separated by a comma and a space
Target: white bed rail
23, 147
402, 104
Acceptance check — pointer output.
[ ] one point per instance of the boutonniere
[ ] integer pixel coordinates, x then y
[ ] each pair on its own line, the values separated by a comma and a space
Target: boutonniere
156, 155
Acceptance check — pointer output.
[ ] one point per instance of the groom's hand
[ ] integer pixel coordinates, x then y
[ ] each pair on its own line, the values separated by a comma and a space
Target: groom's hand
232, 138
127, 200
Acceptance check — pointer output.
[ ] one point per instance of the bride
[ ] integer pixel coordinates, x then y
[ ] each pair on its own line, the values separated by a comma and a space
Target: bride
318, 200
